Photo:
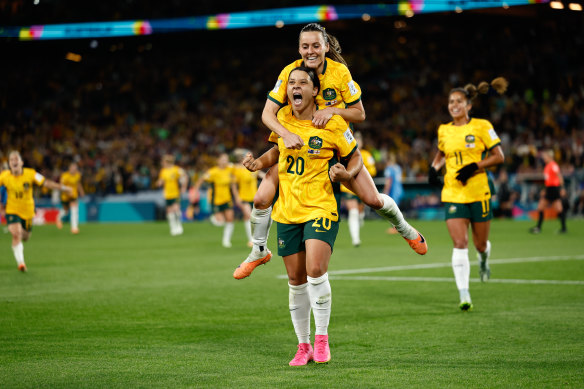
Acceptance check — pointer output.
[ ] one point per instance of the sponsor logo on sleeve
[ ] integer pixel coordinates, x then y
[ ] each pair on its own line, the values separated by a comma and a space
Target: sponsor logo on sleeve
352, 88
349, 136
493, 134
277, 86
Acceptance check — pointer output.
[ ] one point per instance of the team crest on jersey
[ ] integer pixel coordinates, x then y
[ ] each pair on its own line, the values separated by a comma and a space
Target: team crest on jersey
315, 142
452, 209
26, 186
329, 94
281, 243
470, 139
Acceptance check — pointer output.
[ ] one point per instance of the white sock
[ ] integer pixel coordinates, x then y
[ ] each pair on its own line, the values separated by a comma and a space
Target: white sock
299, 304
486, 254
227, 233
61, 214
247, 225
178, 221
170, 217
361, 218
390, 212
261, 222
319, 291
461, 268
354, 226
19, 253
74, 217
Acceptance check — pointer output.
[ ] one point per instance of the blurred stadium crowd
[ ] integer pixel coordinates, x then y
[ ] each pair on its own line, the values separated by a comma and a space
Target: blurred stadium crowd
129, 101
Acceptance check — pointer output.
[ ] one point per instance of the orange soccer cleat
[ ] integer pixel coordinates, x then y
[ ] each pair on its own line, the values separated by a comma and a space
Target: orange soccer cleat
419, 245
246, 267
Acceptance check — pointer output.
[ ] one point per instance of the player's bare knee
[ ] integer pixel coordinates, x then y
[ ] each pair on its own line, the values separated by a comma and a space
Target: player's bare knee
375, 202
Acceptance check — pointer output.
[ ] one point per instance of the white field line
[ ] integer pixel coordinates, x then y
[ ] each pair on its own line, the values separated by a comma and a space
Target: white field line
446, 279
338, 274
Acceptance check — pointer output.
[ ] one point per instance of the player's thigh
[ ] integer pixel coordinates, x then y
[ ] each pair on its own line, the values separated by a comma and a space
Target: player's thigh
480, 234
318, 255
15, 230
458, 230
352, 203
245, 210
264, 197
296, 267
229, 215
364, 187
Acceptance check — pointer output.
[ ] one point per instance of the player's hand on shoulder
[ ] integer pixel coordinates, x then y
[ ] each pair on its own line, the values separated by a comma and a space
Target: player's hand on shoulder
338, 173
321, 117
293, 141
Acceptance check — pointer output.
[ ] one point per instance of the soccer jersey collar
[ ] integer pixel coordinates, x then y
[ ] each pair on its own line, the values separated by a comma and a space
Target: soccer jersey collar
323, 68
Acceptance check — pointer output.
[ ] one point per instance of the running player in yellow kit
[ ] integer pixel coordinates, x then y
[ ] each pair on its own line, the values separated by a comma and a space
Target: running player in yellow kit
308, 206
466, 146
19, 182
222, 183
174, 180
69, 201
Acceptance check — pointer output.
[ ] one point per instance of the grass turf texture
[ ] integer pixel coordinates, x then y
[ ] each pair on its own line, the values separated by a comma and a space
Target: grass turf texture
127, 305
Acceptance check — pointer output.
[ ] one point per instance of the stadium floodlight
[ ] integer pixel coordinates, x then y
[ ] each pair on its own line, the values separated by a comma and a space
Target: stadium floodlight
575, 6
557, 5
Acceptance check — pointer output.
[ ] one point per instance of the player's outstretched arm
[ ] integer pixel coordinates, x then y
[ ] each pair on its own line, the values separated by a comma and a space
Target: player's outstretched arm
267, 160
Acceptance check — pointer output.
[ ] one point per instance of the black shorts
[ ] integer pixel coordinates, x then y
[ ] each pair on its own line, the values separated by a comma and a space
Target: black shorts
552, 193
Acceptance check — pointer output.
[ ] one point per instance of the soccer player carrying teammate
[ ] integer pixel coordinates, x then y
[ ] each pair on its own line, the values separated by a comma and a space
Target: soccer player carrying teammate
72, 179
355, 206
339, 95
552, 196
19, 182
221, 179
307, 208
175, 181
462, 147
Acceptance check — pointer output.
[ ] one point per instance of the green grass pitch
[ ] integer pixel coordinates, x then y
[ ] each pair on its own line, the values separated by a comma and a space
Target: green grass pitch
129, 306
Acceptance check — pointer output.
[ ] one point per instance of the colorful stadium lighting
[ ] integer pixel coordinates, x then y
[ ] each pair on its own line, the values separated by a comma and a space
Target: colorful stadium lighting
557, 5
575, 6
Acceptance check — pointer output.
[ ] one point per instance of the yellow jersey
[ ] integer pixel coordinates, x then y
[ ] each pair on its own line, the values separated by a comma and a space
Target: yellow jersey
337, 88
20, 200
462, 145
247, 183
72, 181
171, 179
306, 191
368, 163
220, 180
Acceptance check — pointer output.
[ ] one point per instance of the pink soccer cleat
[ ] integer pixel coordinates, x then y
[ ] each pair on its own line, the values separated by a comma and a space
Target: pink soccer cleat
303, 355
322, 352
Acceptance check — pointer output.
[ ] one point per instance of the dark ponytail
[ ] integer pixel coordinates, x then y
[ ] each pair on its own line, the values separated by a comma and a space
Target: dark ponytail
471, 91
